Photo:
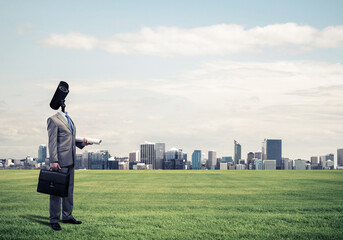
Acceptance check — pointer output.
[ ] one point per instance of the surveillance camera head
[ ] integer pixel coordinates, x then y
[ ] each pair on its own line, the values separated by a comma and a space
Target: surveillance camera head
59, 96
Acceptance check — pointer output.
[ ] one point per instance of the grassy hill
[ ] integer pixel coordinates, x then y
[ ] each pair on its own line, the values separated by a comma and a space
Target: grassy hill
180, 205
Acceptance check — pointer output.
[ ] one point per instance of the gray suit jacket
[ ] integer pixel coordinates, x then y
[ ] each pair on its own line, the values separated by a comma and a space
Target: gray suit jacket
62, 145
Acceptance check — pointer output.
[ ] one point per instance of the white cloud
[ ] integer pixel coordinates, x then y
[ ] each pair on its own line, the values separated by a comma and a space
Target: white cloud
71, 40
223, 39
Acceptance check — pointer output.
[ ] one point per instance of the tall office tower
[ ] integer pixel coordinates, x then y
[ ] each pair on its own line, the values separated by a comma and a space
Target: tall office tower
272, 150
237, 151
258, 155
160, 149
174, 159
148, 154
42, 153
314, 161
339, 157
196, 159
212, 160
250, 156
134, 156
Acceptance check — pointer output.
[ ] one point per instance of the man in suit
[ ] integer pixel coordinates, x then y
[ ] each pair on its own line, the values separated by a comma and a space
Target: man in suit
62, 150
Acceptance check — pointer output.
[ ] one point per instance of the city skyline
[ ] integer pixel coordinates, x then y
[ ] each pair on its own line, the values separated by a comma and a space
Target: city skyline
196, 76
155, 156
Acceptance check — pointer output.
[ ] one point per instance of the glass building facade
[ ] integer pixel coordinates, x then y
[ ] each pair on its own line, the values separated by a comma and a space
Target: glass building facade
212, 159
174, 159
196, 160
42, 153
160, 151
272, 150
148, 155
237, 151
340, 157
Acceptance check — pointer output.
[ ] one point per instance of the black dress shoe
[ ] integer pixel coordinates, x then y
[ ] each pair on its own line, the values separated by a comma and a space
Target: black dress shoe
55, 226
72, 221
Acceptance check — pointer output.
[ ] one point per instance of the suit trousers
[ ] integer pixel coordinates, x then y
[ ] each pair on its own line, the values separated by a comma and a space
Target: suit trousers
67, 202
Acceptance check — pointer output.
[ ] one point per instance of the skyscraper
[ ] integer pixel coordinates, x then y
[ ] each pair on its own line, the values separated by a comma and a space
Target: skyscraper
42, 153
212, 159
134, 156
272, 150
340, 157
159, 151
196, 159
250, 156
174, 159
148, 154
237, 151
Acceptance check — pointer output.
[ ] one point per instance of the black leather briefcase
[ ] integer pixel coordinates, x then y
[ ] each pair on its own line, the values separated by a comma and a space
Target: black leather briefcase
53, 183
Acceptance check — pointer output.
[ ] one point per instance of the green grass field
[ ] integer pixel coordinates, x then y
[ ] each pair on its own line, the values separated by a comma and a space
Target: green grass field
180, 205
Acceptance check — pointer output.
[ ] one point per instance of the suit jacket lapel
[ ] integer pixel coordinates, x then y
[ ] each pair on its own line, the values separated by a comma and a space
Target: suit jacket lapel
73, 126
64, 120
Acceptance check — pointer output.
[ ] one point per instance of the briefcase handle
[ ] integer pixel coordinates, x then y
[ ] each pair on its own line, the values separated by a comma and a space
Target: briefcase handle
58, 170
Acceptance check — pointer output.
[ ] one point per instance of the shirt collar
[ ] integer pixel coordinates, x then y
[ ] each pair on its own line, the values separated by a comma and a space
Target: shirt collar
62, 113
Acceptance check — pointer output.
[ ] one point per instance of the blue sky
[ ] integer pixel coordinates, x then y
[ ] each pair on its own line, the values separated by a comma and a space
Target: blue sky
196, 76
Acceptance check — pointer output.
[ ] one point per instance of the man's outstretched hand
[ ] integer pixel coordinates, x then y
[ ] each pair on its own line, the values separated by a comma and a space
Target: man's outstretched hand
55, 166
85, 142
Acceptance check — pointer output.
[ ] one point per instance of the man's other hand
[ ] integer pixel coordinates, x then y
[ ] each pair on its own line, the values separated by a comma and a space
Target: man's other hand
55, 166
